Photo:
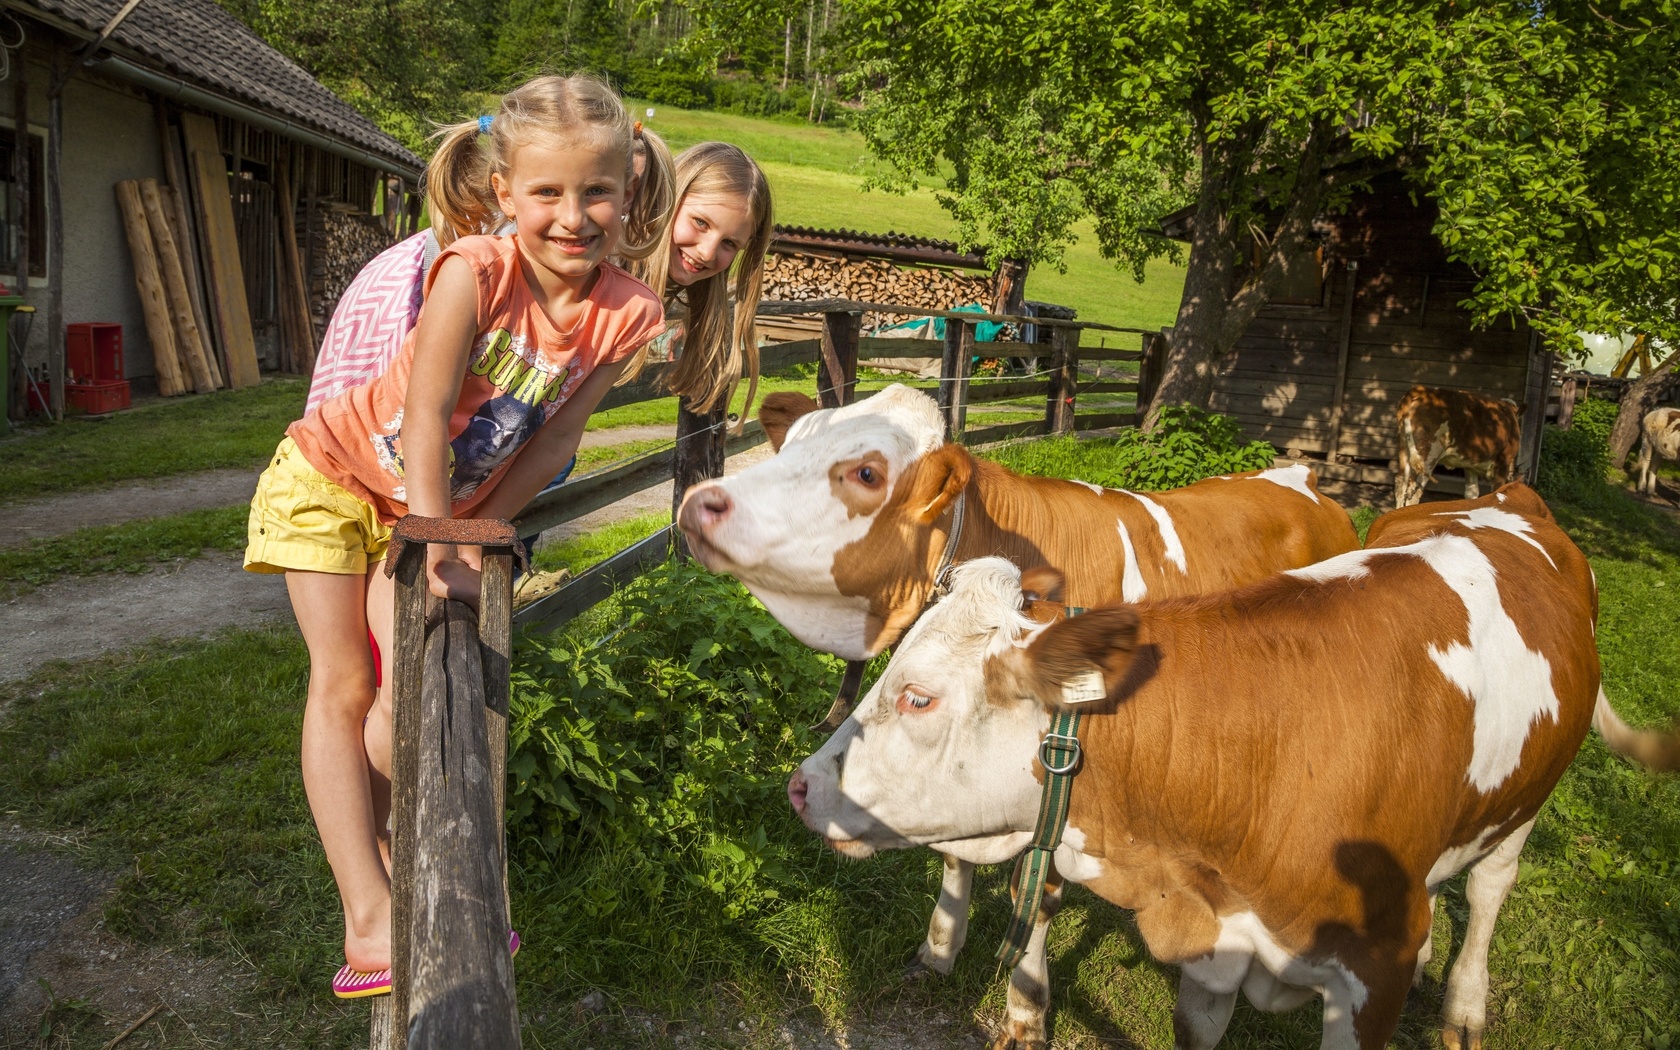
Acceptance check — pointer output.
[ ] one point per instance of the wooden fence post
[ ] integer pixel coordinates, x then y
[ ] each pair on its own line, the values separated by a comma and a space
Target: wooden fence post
452, 978
837, 368
700, 452
1064, 380
1332, 454
953, 376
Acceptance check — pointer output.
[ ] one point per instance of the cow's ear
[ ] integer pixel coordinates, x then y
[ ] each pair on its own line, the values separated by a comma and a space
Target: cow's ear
1081, 660
936, 480
778, 411
1042, 584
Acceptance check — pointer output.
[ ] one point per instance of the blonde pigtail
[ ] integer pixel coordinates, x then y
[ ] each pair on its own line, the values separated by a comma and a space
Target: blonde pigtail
655, 201
458, 184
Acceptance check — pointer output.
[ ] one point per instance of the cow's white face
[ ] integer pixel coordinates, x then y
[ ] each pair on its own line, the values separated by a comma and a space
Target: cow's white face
781, 526
931, 756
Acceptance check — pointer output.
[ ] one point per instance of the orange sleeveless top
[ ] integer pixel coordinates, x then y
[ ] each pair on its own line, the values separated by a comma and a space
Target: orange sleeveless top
521, 371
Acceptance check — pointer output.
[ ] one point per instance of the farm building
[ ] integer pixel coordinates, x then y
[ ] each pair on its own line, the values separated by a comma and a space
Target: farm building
1322, 368
273, 191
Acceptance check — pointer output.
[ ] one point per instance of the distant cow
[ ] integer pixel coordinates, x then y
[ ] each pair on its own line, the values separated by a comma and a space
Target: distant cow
1660, 440
842, 533
1454, 428
1276, 780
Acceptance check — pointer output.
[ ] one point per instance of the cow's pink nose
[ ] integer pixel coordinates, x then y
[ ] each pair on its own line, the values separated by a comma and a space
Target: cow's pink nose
704, 507
797, 787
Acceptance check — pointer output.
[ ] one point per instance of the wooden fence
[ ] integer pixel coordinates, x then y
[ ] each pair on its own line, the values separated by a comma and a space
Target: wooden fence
451, 973
703, 442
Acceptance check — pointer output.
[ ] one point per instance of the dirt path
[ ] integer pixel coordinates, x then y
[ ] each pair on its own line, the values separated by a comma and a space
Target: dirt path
39, 519
85, 616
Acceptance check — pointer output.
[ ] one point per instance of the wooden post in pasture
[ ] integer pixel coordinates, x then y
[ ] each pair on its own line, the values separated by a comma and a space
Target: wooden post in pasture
837, 368
452, 977
1064, 380
953, 376
700, 451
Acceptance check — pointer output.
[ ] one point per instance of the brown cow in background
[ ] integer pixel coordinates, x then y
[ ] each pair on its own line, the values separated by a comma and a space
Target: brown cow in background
1454, 428
1661, 428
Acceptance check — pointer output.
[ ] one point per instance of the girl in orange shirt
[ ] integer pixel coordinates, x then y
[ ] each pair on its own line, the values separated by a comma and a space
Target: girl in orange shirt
519, 339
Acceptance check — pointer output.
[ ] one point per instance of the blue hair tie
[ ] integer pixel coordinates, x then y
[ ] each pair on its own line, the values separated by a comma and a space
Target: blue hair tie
484, 125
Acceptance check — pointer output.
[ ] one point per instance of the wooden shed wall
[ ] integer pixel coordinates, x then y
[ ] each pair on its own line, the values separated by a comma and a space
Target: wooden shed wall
1405, 327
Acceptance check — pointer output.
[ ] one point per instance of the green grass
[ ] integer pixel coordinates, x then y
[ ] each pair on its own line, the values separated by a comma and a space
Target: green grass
816, 177
662, 411
134, 546
580, 552
175, 767
230, 428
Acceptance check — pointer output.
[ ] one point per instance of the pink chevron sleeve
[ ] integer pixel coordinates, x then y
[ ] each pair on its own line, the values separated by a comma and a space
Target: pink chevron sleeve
374, 315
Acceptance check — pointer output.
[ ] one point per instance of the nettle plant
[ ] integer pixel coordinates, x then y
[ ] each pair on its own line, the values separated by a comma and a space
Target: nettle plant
664, 736
1189, 444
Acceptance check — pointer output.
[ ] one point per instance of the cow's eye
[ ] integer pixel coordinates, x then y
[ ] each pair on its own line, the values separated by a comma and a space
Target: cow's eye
913, 699
868, 475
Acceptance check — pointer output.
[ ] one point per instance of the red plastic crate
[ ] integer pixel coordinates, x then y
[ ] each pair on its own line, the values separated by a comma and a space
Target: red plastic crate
94, 398
93, 352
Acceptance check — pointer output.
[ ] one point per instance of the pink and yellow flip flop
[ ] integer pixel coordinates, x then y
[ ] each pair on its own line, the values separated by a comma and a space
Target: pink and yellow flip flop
354, 984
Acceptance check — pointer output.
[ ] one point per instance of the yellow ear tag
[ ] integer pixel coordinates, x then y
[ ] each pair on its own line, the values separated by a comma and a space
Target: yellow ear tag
1084, 689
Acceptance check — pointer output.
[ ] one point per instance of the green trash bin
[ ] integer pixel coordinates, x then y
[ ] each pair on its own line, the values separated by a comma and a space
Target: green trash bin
9, 402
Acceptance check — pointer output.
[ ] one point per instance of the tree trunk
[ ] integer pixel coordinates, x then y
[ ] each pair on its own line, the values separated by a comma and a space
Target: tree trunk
787, 50
1637, 400
1216, 307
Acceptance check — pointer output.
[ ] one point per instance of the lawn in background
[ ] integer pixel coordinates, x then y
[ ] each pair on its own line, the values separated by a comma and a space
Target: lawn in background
816, 176
229, 428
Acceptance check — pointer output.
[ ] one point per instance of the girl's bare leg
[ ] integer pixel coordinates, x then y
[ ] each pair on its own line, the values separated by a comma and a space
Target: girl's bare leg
376, 735
331, 611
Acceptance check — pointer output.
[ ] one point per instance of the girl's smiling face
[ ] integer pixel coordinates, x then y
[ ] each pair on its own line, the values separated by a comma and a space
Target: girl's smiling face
705, 236
566, 200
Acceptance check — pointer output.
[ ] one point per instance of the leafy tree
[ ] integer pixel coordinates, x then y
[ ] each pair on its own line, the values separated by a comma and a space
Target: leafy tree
405, 63
1546, 134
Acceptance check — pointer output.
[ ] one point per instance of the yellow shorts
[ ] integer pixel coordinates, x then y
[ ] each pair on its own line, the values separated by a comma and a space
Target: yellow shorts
303, 520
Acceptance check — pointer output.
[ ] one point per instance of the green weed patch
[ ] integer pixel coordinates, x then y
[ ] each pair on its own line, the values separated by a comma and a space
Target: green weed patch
1188, 446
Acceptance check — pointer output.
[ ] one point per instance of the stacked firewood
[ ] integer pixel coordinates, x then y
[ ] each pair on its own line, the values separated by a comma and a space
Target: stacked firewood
345, 241
797, 277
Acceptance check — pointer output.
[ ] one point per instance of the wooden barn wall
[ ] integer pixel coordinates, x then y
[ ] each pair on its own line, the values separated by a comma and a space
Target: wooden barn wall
1405, 328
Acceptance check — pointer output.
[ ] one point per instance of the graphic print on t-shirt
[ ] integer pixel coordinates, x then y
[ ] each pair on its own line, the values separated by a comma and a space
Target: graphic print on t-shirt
528, 392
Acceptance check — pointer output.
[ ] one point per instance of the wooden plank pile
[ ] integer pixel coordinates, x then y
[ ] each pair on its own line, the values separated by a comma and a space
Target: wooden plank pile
798, 276
185, 244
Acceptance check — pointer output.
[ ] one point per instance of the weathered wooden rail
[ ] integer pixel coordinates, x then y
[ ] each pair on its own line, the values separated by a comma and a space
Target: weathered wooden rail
704, 442
451, 972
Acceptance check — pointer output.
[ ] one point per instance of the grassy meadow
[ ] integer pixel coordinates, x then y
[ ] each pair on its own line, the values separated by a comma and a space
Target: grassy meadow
656, 861
816, 176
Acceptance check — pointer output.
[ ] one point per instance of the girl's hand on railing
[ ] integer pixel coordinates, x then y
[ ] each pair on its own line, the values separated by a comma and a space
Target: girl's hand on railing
450, 576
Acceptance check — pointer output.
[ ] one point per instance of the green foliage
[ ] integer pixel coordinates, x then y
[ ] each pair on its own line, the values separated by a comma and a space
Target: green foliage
1189, 445
134, 546
408, 64
664, 745
230, 428
1575, 463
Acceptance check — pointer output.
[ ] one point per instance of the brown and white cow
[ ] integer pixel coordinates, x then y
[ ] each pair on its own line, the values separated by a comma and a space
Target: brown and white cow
1454, 428
1659, 440
1277, 780
841, 534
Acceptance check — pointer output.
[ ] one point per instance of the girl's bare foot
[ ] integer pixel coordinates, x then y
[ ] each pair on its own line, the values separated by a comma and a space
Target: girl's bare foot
367, 941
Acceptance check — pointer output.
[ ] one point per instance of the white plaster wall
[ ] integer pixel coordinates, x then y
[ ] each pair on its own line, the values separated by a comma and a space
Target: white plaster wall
110, 134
